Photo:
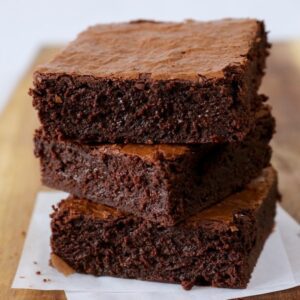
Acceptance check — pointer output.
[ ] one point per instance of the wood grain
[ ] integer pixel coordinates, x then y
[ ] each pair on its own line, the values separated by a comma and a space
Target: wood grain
19, 172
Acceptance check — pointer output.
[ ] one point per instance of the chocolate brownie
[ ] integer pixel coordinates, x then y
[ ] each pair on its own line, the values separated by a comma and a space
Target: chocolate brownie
154, 82
162, 183
218, 246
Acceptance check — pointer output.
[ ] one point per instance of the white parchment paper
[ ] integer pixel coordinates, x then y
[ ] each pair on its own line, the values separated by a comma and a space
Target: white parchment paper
278, 267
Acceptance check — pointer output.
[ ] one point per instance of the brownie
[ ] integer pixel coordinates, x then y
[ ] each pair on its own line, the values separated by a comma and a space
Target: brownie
153, 82
218, 246
162, 183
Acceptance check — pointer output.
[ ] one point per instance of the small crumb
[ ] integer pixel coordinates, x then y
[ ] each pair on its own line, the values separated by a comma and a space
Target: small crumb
38, 273
139, 86
46, 280
35, 262
58, 99
187, 285
23, 233
38, 79
233, 228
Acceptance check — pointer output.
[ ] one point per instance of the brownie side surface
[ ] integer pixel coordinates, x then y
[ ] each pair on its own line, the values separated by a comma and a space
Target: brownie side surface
162, 183
157, 106
218, 246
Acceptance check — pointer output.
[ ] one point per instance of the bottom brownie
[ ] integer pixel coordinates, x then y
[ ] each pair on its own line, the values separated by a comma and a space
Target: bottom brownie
218, 246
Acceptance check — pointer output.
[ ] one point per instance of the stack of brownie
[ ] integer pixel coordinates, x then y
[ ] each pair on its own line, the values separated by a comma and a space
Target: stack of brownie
159, 134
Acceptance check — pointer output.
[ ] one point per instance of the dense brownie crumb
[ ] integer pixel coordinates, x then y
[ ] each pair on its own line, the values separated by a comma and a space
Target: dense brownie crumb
192, 82
218, 246
161, 183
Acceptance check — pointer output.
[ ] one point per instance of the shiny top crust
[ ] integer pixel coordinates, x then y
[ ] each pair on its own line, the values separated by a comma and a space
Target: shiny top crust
160, 51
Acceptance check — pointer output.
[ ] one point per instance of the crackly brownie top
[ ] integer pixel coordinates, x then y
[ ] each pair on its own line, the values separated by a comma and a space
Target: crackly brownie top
189, 50
255, 193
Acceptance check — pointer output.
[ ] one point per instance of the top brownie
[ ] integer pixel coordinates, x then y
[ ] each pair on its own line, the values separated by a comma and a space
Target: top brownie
154, 82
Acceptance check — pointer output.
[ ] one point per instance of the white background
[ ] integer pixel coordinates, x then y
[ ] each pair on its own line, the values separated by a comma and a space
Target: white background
28, 24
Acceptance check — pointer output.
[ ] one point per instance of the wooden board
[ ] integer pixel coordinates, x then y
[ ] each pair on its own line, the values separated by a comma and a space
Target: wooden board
19, 172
